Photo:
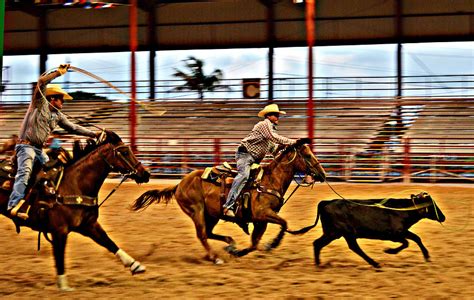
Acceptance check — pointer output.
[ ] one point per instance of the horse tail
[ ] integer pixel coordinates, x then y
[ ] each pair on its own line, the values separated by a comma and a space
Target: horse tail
152, 196
307, 228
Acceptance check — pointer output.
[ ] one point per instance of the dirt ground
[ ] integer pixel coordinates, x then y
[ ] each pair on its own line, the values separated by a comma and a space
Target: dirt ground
163, 238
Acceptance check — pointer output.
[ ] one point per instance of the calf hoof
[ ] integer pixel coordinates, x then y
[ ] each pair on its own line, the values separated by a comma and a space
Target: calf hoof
427, 259
376, 265
137, 268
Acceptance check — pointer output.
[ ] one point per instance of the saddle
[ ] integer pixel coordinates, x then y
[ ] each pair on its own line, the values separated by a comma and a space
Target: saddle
43, 181
223, 176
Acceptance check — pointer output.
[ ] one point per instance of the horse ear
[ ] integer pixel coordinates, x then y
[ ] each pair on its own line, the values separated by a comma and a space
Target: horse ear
303, 141
112, 136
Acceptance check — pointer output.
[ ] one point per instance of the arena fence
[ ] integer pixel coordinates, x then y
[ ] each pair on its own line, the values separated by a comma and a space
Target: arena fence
360, 139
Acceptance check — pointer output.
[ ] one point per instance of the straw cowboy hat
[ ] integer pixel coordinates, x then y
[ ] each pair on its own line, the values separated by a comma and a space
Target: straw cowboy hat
55, 89
272, 108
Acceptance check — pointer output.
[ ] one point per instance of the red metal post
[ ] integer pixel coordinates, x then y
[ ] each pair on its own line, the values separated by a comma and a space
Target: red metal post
406, 161
217, 151
310, 7
133, 48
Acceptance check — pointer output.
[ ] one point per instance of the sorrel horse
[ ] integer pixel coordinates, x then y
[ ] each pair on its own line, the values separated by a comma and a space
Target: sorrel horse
200, 200
75, 208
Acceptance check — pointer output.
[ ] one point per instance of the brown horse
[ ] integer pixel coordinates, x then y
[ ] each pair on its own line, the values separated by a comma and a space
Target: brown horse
200, 199
75, 208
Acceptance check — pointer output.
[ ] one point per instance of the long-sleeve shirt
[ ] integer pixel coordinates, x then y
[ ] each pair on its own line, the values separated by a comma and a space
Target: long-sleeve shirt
262, 139
39, 121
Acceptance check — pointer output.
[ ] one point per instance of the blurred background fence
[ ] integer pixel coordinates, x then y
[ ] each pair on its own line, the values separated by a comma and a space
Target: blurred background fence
362, 131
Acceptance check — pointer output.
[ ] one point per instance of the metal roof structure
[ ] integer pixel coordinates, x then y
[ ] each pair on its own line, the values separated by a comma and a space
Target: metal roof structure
169, 25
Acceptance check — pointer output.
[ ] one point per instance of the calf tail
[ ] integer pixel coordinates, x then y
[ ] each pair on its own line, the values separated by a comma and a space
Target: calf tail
152, 196
305, 229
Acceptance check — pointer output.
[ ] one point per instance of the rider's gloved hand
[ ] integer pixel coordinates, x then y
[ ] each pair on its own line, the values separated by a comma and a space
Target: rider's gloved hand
100, 135
63, 68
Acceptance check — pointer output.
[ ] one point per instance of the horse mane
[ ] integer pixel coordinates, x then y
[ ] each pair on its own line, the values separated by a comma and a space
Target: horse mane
284, 149
81, 150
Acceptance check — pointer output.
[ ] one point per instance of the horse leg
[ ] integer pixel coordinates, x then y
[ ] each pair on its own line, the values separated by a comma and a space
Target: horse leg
410, 235
398, 249
272, 217
59, 247
257, 233
210, 224
98, 235
202, 234
318, 244
352, 243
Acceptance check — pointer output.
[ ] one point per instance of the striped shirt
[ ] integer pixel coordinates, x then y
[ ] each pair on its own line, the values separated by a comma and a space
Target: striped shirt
39, 121
263, 138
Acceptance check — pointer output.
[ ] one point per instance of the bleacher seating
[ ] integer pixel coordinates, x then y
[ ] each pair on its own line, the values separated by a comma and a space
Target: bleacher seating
193, 134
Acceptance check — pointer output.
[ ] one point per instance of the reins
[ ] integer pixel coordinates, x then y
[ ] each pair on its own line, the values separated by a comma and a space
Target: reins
298, 184
115, 188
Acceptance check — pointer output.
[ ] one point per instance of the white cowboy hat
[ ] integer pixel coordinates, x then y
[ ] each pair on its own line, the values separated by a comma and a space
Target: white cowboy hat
271, 108
55, 89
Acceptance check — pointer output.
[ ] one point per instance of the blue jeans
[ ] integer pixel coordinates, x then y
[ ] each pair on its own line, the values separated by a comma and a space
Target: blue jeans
244, 162
26, 156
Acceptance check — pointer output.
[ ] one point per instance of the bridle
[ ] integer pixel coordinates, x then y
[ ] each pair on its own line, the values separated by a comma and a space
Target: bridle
132, 168
310, 169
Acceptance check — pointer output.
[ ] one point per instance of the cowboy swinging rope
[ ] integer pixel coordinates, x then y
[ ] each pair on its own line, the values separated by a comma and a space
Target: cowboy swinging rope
142, 104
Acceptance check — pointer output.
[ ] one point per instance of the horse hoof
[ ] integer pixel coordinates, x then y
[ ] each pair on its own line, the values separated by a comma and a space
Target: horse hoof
67, 289
267, 247
137, 268
230, 249
377, 265
218, 261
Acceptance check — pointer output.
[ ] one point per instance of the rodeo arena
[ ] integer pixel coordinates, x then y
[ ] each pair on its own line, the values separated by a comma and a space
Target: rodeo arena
364, 190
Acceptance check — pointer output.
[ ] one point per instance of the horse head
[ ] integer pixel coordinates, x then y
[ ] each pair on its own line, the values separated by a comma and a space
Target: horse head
120, 158
304, 159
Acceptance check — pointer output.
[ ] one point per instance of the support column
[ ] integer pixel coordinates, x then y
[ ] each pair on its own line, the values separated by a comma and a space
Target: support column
133, 48
43, 39
2, 31
399, 34
310, 33
271, 46
152, 45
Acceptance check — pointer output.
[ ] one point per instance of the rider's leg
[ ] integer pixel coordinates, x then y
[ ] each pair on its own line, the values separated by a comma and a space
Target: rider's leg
244, 161
25, 159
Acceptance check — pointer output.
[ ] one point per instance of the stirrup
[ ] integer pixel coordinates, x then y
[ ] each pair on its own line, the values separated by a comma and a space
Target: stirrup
14, 210
229, 212
22, 215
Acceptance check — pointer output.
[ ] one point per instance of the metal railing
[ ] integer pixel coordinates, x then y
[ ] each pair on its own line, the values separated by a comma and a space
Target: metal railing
459, 86
359, 138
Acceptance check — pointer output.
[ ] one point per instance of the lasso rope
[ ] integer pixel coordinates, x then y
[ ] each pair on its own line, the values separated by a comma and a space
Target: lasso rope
100, 79
381, 204
141, 103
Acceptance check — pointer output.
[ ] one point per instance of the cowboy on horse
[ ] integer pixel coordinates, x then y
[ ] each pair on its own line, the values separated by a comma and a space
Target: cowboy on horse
42, 116
252, 149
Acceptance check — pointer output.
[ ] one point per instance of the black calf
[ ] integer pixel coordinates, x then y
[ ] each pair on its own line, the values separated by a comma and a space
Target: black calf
370, 219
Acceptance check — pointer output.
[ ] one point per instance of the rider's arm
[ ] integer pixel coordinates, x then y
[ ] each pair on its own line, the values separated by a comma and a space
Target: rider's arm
74, 128
41, 85
266, 129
